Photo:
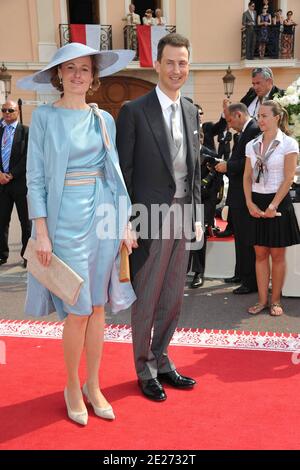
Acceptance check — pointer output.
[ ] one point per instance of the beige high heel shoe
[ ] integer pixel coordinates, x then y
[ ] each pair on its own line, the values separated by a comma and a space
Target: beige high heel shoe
105, 413
80, 417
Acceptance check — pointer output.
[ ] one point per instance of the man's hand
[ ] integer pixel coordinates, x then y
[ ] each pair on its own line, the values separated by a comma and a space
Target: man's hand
221, 167
226, 103
198, 231
5, 178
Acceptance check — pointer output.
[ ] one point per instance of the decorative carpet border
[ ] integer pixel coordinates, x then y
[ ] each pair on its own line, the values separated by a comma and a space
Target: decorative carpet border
228, 339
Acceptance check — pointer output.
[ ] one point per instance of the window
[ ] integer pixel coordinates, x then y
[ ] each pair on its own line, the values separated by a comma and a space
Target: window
83, 11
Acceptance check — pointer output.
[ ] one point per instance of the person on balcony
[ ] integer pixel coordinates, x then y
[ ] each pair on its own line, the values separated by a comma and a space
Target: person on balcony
268, 5
132, 18
159, 20
264, 21
278, 29
148, 19
132, 21
288, 36
249, 22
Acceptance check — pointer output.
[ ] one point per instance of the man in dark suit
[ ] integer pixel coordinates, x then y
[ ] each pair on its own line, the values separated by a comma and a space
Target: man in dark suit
158, 144
13, 190
240, 120
224, 139
262, 89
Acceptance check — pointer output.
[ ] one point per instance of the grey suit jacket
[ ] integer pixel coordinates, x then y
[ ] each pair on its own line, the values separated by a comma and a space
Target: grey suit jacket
145, 159
247, 18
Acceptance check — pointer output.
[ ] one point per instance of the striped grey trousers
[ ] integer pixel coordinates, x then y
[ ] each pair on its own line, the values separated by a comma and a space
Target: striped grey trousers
159, 287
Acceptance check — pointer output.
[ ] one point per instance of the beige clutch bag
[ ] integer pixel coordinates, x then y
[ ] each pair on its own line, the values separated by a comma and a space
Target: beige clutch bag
58, 277
124, 265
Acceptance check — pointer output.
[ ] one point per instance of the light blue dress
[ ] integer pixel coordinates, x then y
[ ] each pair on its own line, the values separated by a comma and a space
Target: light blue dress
76, 241
62, 141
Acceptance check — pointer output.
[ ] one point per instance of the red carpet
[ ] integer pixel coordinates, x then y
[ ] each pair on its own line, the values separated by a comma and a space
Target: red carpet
222, 226
243, 400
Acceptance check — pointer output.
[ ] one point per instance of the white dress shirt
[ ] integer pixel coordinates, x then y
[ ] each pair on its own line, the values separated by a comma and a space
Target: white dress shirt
166, 106
253, 107
275, 163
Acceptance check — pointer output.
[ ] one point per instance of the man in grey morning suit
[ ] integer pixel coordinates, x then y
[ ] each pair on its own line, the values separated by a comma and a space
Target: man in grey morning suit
158, 144
249, 22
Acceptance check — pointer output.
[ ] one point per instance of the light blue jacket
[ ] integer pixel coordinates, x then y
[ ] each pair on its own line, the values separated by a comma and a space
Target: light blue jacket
47, 163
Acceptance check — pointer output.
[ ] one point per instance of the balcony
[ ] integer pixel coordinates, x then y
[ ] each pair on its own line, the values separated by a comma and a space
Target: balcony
279, 45
130, 38
105, 36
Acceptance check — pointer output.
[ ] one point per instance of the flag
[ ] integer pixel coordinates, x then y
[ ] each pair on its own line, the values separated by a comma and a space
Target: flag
88, 34
148, 39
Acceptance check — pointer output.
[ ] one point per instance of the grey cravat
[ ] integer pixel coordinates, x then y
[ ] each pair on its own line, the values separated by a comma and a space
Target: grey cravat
175, 130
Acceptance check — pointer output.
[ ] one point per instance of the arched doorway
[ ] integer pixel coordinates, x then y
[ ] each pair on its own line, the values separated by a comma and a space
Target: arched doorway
115, 90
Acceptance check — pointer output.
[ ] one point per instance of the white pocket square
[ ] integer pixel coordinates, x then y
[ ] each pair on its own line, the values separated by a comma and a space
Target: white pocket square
195, 132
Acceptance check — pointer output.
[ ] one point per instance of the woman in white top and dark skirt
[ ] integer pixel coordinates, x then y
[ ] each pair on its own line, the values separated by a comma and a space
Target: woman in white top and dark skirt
269, 172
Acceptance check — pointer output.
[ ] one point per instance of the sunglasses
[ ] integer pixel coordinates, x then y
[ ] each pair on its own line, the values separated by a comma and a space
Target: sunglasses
8, 110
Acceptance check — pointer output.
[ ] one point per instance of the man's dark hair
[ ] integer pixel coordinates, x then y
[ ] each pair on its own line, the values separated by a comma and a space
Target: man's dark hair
174, 40
238, 108
251, 3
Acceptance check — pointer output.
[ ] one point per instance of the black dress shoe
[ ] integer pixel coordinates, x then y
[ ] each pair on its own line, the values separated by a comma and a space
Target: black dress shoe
153, 389
197, 281
176, 380
3, 261
224, 234
243, 290
233, 280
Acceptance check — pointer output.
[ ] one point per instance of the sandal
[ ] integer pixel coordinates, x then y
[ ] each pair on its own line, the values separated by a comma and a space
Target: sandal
257, 308
276, 310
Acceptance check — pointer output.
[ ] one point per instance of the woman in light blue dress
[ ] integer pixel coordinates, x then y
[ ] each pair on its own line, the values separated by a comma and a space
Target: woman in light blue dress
74, 178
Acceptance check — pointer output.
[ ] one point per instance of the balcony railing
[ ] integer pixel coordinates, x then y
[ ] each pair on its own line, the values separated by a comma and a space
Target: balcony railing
280, 42
130, 38
105, 36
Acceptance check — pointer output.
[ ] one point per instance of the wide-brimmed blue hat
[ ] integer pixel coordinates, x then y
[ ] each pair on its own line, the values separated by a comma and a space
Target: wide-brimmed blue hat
108, 63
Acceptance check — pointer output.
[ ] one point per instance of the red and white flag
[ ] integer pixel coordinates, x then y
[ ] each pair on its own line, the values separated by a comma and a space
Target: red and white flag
88, 34
148, 39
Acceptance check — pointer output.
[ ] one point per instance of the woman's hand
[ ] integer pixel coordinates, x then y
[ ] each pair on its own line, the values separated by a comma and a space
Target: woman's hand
129, 239
270, 213
44, 249
255, 211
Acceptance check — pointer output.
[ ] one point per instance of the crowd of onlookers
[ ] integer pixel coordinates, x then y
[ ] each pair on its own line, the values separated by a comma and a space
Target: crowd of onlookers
266, 26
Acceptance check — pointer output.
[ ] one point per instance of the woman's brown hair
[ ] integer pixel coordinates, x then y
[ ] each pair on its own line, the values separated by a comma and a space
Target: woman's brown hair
55, 81
278, 110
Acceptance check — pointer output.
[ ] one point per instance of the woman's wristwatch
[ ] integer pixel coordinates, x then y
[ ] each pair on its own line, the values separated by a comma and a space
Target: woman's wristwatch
272, 207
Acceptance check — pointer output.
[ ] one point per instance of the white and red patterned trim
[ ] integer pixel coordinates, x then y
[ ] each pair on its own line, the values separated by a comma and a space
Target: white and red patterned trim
228, 339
